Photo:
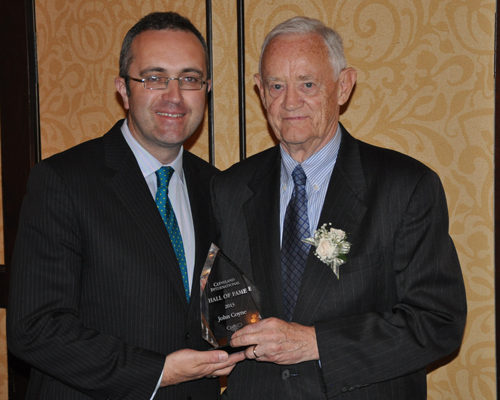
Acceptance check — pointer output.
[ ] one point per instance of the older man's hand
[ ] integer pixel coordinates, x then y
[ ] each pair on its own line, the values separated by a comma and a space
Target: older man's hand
277, 341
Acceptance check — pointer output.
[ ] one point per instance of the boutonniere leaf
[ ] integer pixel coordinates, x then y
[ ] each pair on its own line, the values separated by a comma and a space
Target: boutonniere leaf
331, 246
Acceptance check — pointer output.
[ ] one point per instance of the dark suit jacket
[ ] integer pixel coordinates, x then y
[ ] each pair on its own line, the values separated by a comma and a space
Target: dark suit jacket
96, 296
400, 301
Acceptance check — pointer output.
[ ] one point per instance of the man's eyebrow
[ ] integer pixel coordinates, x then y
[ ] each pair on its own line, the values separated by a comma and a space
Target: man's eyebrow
273, 79
195, 70
301, 78
165, 72
307, 77
152, 69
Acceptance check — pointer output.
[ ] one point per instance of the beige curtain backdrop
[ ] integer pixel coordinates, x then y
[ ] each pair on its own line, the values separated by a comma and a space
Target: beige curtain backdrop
425, 88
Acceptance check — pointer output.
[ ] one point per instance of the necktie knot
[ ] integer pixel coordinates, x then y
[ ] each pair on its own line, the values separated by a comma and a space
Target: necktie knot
163, 175
299, 176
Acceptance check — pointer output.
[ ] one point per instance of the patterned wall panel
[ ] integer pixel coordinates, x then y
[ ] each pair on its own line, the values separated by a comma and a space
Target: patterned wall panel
225, 64
425, 88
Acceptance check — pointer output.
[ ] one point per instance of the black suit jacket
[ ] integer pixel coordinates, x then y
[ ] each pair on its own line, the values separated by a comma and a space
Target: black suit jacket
96, 294
399, 303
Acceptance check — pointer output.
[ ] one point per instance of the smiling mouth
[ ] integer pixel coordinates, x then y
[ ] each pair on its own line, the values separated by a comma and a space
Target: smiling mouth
170, 115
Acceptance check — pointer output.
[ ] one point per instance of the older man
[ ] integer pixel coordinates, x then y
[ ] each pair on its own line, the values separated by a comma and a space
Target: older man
365, 329
104, 300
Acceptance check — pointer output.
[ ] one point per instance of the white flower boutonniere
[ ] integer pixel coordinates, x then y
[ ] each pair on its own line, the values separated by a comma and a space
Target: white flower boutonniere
331, 246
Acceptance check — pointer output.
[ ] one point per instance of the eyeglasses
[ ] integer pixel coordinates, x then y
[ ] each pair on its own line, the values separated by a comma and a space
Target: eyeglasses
154, 82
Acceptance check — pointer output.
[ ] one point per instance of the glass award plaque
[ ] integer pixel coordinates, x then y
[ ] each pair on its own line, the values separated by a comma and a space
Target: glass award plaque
228, 300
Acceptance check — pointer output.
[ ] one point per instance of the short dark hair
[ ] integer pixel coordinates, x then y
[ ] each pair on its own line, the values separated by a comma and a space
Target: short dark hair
157, 21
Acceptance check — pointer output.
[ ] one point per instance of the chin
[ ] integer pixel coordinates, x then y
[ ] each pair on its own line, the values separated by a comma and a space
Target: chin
295, 138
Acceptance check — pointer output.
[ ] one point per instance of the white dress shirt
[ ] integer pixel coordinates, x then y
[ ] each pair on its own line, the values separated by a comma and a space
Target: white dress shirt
178, 195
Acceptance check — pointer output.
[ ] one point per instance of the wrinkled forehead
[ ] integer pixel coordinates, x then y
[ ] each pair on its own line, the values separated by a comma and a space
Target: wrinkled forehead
295, 54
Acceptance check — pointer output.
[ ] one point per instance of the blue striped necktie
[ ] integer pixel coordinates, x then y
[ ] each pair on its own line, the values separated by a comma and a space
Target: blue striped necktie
293, 250
167, 214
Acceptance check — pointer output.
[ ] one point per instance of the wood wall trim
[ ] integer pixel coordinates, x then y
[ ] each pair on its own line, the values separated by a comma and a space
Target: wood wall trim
241, 79
20, 130
211, 122
20, 140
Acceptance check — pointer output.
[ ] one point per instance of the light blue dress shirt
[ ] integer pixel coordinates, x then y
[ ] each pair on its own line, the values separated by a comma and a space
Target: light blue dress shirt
318, 169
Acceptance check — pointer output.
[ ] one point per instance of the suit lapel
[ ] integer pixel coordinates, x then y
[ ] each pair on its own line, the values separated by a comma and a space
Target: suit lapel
132, 190
199, 198
344, 209
262, 218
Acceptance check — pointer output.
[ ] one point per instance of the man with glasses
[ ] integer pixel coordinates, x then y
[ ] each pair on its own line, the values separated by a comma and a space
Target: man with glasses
113, 233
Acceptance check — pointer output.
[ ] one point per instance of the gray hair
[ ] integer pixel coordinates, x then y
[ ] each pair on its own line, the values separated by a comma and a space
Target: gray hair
304, 26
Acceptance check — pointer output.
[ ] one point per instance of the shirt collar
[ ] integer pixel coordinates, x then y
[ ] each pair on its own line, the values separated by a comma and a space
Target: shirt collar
147, 163
315, 167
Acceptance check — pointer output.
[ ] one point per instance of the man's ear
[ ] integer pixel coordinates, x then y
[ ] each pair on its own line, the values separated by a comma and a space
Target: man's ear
258, 81
122, 89
345, 84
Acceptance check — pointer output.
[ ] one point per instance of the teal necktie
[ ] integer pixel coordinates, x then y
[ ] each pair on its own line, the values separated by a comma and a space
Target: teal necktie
167, 214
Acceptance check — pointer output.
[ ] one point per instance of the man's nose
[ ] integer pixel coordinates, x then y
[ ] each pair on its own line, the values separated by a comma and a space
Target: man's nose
293, 99
172, 93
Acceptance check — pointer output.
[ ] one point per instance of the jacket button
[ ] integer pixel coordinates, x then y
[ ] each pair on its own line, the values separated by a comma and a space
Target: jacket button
187, 335
285, 374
